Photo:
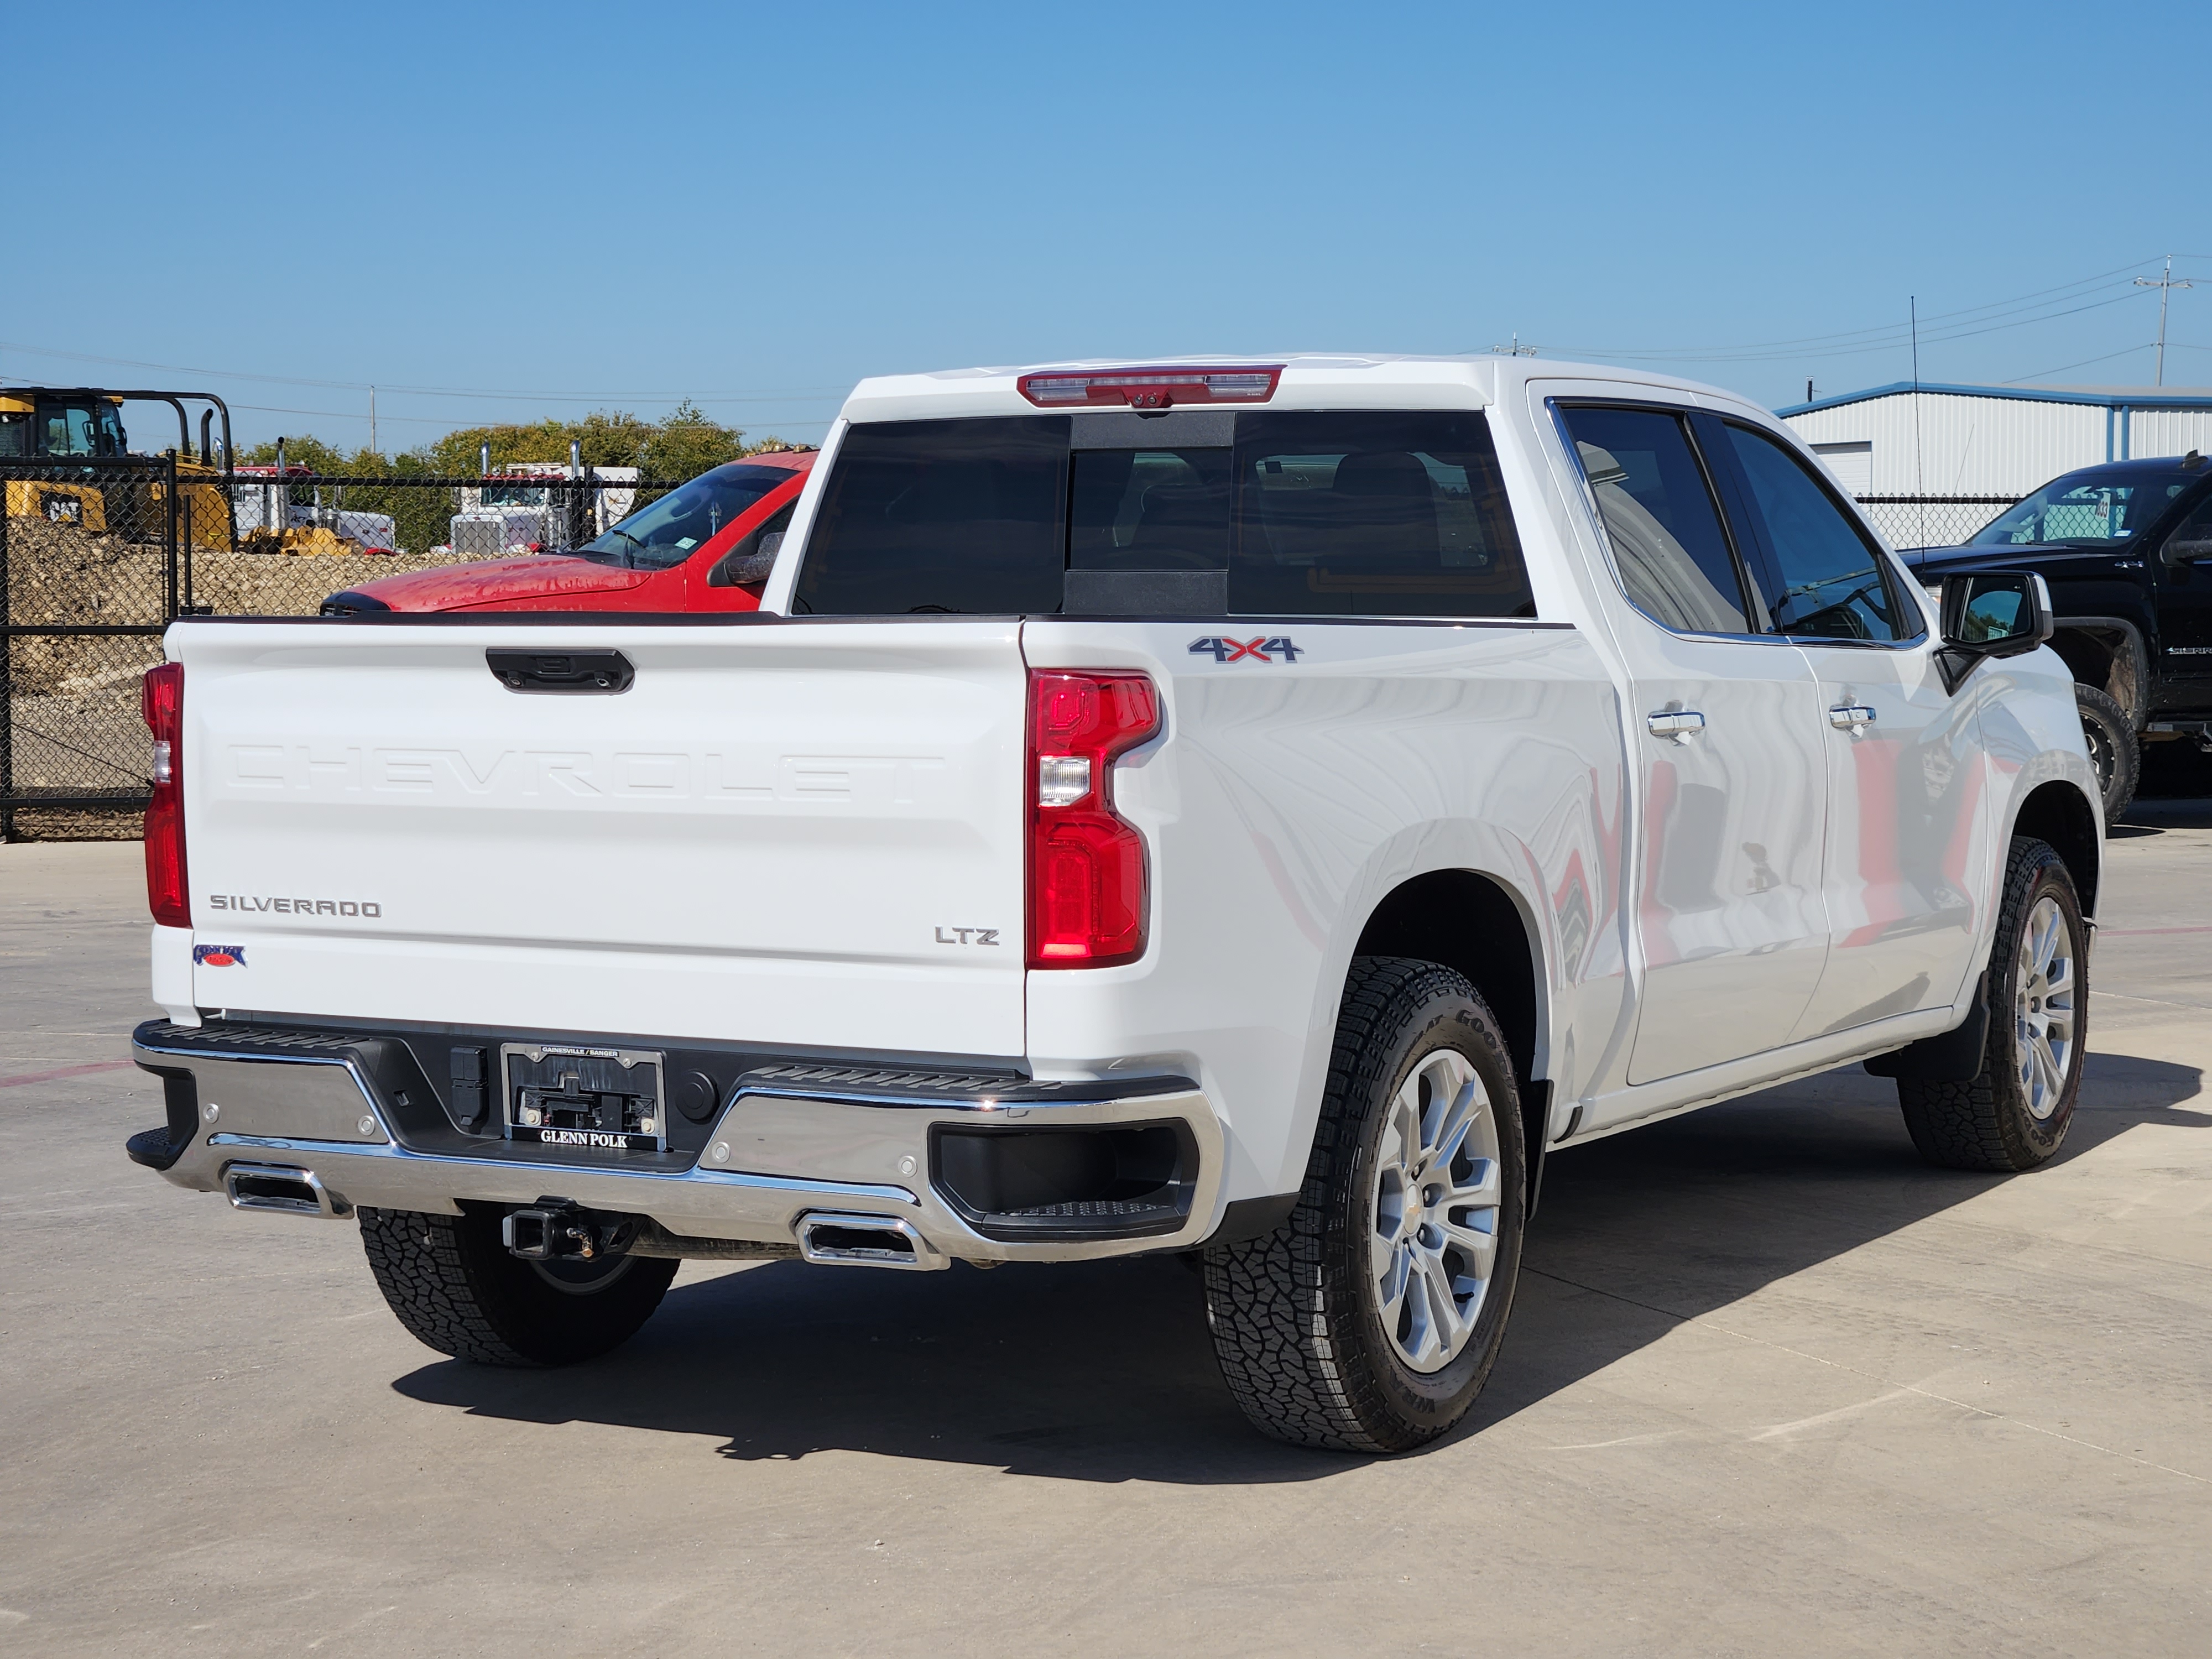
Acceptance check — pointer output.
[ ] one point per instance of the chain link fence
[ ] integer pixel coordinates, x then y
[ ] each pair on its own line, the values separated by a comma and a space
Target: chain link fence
1932, 520
308, 535
91, 574
97, 558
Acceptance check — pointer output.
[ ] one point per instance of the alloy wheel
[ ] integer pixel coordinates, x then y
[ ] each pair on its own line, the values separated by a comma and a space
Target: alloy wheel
1434, 1240
2043, 1011
2101, 760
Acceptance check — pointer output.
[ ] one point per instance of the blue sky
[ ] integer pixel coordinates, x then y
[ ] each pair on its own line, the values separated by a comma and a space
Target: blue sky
755, 206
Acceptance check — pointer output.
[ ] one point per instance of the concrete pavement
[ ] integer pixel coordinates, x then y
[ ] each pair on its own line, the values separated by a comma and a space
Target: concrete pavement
1771, 1385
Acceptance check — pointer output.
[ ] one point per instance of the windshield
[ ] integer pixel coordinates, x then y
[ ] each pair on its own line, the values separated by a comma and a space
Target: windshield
2086, 509
681, 522
81, 428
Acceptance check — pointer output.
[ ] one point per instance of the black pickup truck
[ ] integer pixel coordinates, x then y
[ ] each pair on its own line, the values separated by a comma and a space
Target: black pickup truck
2126, 549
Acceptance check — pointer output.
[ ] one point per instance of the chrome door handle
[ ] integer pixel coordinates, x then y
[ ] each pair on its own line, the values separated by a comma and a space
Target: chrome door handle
1851, 717
1679, 724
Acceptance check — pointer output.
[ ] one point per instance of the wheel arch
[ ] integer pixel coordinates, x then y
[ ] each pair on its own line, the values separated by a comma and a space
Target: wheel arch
2058, 813
1479, 927
2109, 653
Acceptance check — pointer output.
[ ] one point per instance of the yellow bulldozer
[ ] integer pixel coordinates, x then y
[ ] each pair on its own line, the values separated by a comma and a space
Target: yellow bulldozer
73, 427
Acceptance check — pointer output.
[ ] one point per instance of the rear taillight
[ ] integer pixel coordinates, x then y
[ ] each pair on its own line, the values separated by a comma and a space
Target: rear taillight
1087, 901
163, 701
1148, 388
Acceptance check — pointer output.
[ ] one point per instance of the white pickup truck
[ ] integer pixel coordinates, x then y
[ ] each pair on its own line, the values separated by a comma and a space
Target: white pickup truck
1259, 808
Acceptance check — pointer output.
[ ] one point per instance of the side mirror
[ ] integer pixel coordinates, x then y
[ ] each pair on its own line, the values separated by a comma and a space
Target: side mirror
2198, 550
1999, 613
749, 563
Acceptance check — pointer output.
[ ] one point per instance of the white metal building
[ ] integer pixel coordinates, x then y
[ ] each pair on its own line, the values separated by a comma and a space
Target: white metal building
1993, 440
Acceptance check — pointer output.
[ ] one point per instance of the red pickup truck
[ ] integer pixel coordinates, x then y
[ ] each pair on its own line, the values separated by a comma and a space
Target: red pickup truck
707, 546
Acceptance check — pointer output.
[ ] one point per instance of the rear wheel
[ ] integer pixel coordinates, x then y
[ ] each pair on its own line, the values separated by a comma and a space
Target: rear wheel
2013, 1115
2114, 754
1371, 1319
457, 1288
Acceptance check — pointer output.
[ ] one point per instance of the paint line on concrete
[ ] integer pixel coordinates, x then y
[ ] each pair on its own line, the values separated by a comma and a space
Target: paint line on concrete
68, 1071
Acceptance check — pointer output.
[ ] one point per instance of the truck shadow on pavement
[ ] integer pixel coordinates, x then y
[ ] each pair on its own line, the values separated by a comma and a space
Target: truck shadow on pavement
2152, 817
1103, 1371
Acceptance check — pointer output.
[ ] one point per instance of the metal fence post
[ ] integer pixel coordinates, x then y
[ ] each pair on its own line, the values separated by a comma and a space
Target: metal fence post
6, 674
169, 541
184, 536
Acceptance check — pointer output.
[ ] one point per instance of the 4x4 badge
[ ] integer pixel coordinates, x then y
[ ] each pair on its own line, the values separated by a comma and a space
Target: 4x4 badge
1266, 648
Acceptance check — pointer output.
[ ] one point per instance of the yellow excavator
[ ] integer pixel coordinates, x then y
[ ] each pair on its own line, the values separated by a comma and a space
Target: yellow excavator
69, 427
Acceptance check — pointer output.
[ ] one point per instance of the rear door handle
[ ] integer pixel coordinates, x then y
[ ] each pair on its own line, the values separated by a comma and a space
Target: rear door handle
1679, 724
1851, 717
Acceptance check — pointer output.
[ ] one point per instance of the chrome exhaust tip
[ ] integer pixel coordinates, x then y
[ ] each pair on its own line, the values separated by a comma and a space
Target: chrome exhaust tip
844, 1240
276, 1186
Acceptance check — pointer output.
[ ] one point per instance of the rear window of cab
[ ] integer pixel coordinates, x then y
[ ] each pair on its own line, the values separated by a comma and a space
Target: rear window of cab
1353, 513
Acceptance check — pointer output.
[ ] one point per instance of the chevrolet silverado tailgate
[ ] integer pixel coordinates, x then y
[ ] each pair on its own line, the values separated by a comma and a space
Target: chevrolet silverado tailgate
784, 832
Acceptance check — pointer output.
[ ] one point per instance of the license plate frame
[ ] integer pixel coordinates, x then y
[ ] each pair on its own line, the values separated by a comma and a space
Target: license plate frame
638, 1099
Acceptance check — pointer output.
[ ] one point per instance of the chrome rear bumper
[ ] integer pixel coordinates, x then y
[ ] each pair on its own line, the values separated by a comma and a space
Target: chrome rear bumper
775, 1155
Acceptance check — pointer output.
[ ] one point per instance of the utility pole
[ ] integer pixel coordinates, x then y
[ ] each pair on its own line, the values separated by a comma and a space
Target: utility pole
1516, 349
1919, 450
2162, 284
372, 420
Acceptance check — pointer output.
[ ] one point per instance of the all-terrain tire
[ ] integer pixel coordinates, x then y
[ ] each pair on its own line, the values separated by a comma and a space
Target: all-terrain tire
1989, 1123
1296, 1316
456, 1288
2115, 755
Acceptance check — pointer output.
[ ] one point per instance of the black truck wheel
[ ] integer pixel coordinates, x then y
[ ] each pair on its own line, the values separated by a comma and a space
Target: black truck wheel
1371, 1319
457, 1288
2114, 754
2013, 1114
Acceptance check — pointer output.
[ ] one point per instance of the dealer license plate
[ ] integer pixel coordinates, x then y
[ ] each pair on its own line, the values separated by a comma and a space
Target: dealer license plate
600, 1100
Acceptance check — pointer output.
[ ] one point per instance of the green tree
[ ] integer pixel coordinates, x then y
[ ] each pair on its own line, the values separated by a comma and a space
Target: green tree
608, 439
686, 443
317, 456
682, 445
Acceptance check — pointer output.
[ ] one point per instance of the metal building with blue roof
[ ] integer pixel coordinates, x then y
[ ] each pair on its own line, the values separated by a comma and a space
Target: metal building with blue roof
1992, 441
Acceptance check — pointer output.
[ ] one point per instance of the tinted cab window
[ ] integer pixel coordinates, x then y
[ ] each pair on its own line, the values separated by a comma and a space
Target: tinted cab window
1821, 575
1657, 505
923, 516
1373, 514
1346, 514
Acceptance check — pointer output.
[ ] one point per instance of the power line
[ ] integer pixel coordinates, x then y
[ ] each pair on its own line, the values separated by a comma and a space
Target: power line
1888, 331
786, 419
749, 396
2124, 351
1890, 343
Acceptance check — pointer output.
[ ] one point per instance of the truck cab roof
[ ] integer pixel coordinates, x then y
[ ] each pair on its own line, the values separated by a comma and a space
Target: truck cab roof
1301, 380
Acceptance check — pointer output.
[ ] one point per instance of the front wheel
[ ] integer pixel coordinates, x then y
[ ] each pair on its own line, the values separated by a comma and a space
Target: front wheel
1371, 1319
2013, 1115
458, 1289
2114, 754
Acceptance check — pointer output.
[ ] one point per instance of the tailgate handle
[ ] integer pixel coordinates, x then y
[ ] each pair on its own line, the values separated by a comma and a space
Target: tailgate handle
581, 673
